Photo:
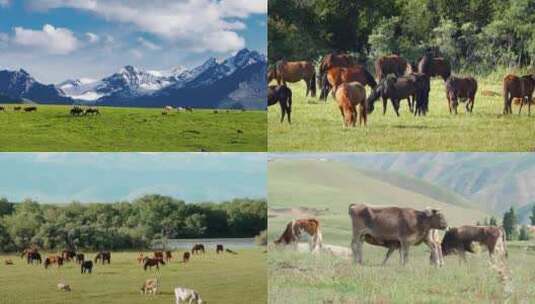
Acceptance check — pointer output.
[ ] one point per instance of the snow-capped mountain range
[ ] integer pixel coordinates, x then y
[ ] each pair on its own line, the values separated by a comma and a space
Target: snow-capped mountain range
238, 81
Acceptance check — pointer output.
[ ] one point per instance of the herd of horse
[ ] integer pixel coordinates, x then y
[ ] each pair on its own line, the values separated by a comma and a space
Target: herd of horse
20, 108
395, 78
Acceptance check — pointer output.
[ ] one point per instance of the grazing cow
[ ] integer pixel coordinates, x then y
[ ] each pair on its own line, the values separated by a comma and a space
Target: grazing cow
219, 248
8, 262
56, 259
150, 286
3, 109
92, 111
390, 224
337, 76
459, 240
64, 286
351, 99
103, 256
86, 266
168, 108
150, 262
17, 108
391, 64
185, 257
302, 228
30, 109
140, 258
434, 66
68, 255
187, 296
230, 251
518, 87
168, 256
399, 88
76, 111
197, 248
80, 258
461, 89
296, 71
282, 95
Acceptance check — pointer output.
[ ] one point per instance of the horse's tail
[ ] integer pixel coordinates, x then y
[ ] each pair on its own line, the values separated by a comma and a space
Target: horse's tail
313, 84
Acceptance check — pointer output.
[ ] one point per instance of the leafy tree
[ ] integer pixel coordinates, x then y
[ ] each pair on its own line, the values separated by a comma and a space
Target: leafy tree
510, 221
493, 221
524, 233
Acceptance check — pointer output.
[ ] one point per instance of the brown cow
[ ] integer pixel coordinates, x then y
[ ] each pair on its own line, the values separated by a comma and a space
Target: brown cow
391, 64
518, 87
460, 89
185, 257
337, 76
434, 66
459, 240
294, 71
351, 99
296, 228
387, 224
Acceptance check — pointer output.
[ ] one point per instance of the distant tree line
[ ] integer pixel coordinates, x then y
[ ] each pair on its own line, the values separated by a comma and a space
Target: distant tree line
125, 225
475, 35
513, 230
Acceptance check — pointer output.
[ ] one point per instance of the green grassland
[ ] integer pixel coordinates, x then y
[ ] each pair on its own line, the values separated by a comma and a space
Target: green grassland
317, 126
324, 189
218, 279
52, 128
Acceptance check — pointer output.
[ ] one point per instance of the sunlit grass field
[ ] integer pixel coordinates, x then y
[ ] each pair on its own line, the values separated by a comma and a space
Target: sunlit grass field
222, 278
317, 126
52, 128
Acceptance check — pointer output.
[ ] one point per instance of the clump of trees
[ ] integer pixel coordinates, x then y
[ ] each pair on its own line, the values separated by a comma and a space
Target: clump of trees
475, 35
125, 225
513, 230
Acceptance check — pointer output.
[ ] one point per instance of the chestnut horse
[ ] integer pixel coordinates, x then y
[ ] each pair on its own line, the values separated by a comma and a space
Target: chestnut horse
351, 98
434, 66
337, 76
391, 64
294, 71
458, 88
283, 95
518, 87
333, 60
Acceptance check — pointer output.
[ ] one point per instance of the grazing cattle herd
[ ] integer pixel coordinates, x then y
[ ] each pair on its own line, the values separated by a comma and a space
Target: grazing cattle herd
395, 79
397, 228
149, 287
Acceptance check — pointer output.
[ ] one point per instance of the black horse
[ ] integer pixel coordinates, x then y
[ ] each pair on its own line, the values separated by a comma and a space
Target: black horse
219, 249
32, 257
103, 256
197, 248
282, 95
86, 266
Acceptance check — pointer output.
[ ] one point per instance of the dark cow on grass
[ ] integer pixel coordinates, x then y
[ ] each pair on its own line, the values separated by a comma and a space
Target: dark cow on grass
407, 226
30, 109
282, 95
459, 240
103, 256
86, 266
518, 87
461, 89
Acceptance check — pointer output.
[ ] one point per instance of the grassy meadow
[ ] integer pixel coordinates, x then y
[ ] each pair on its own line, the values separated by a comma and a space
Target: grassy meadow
317, 126
52, 128
218, 279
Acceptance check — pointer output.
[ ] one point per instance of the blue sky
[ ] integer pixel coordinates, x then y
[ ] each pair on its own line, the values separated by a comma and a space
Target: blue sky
108, 177
55, 40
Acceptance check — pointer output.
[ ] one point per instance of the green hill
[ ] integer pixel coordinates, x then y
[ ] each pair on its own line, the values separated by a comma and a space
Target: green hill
325, 188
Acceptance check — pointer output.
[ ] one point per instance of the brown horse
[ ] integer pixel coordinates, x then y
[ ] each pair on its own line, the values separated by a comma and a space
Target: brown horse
282, 95
197, 248
391, 64
140, 258
333, 60
337, 76
296, 71
351, 98
80, 258
168, 256
434, 66
219, 248
55, 259
185, 257
150, 262
68, 255
103, 256
460, 89
518, 87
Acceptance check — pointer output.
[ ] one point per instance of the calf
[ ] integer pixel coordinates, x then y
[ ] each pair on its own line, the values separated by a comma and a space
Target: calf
87, 266
150, 286
297, 229
389, 225
459, 240
186, 295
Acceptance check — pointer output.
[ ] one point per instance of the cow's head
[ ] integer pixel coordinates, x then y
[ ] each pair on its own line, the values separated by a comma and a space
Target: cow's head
436, 219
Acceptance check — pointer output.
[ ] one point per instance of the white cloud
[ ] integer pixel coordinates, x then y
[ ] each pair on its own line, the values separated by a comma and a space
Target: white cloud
53, 40
92, 38
4, 3
4, 39
151, 46
193, 24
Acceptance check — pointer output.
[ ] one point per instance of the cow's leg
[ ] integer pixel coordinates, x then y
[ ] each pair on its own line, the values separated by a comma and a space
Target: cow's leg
388, 254
356, 247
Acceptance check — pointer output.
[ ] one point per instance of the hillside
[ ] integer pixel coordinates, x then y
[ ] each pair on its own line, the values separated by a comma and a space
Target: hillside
325, 188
